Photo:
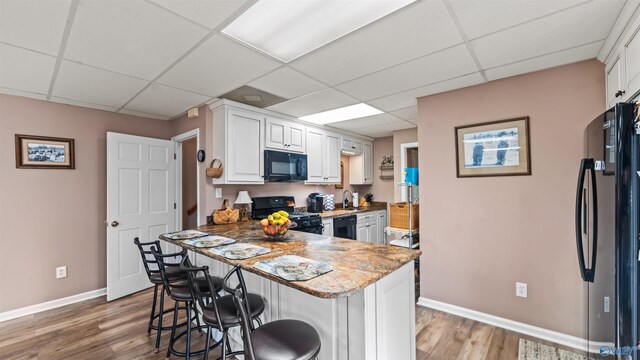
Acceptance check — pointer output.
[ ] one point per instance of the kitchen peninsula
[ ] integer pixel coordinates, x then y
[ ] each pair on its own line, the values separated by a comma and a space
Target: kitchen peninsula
363, 309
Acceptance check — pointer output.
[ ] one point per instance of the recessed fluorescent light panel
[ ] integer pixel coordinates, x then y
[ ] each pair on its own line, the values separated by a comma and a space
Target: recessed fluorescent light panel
342, 114
289, 29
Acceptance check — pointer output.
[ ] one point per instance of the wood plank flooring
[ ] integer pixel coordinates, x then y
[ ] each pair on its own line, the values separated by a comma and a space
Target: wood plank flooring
442, 336
95, 329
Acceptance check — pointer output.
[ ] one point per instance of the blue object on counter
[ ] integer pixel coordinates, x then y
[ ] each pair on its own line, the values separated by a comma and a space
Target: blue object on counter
411, 176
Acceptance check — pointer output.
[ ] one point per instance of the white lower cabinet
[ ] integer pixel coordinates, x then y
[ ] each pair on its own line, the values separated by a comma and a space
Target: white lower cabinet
327, 227
367, 229
382, 223
371, 226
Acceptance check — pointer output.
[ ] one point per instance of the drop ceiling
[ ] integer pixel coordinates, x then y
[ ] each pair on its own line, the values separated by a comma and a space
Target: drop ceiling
158, 58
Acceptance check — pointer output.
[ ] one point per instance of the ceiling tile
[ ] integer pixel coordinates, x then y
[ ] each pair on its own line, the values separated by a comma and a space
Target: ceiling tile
165, 100
430, 69
33, 24
412, 32
83, 104
410, 113
544, 62
8, 91
323, 100
130, 37
479, 18
383, 130
367, 121
208, 13
408, 98
25, 70
143, 114
287, 83
92, 85
574, 27
217, 66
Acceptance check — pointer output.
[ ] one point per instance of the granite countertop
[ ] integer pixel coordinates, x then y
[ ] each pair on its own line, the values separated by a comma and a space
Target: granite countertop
355, 264
375, 206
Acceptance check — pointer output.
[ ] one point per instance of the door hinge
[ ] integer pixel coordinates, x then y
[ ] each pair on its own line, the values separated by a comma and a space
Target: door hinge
174, 206
174, 156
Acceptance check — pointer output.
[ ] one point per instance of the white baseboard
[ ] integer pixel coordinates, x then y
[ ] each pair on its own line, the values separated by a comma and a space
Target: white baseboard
28, 310
533, 331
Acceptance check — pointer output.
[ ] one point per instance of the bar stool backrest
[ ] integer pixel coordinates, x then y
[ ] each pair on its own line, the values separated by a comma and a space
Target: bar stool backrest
239, 293
199, 292
167, 260
148, 260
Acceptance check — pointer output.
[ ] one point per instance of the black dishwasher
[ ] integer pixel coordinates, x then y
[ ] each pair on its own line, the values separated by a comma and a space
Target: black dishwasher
345, 227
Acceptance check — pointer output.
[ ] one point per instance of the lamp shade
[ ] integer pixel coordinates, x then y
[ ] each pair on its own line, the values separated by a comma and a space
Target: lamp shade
243, 198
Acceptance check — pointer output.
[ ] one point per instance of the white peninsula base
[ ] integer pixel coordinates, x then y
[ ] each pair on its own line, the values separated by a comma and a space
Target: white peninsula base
377, 322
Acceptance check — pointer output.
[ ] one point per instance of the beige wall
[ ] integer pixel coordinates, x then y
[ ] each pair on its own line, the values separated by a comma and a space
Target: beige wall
51, 218
401, 137
382, 190
481, 235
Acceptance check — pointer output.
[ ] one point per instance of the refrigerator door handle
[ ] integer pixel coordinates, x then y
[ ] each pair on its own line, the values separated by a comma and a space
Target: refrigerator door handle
585, 164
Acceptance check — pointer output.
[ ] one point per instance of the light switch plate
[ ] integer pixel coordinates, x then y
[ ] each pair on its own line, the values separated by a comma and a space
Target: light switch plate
521, 290
218, 193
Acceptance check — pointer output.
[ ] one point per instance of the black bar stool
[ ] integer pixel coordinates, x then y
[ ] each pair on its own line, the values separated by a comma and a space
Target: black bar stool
277, 340
174, 274
219, 313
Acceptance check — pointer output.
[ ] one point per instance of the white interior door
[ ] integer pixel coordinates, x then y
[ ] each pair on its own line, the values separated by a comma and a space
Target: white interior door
140, 203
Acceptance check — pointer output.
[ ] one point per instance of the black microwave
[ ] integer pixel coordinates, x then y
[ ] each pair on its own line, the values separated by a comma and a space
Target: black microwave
284, 166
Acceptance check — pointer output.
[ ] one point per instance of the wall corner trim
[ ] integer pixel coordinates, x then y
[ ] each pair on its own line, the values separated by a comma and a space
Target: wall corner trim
33, 309
522, 328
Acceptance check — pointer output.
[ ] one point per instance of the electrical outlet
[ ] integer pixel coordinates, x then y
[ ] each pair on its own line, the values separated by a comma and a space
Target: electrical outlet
521, 289
61, 272
607, 304
218, 193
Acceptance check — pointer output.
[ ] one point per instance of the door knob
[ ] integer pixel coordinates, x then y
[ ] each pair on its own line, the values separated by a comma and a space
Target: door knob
114, 223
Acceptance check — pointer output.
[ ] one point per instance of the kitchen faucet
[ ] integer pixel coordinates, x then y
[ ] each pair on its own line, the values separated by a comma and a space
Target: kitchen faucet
345, 202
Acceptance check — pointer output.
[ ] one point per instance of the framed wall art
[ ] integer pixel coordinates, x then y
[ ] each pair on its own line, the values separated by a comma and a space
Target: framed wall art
44, 152
496, 148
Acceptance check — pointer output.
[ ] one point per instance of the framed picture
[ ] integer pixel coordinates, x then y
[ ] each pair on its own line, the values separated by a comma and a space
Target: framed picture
43, 152
496, 148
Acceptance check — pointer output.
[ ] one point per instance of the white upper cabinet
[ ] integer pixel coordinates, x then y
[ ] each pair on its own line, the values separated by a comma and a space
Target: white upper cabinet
614, 83
323, 158
632, 58
351, 145
623, 65
361, 166
332, 153
315, 158
238, 141
284, 135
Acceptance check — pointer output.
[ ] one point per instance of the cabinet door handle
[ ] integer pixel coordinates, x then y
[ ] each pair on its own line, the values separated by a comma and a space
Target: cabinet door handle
620, 93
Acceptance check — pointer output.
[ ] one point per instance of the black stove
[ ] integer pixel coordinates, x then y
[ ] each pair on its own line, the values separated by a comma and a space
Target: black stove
305, 222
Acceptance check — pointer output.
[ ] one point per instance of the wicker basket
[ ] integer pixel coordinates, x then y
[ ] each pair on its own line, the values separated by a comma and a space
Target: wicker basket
399, 216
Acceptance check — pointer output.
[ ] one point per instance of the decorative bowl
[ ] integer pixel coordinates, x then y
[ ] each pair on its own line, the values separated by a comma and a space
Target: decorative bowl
277, 232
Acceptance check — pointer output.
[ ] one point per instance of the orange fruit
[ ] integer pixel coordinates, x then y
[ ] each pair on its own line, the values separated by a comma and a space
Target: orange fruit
264, 222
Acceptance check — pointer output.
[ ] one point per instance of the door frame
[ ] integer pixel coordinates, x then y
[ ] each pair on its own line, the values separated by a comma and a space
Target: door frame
178, 140
403, 164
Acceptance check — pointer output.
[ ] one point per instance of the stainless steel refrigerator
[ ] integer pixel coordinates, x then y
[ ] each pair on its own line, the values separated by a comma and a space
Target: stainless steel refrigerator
608, 233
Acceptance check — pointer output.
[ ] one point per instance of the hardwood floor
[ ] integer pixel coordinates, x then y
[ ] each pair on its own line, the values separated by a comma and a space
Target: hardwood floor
95, 329
442, 336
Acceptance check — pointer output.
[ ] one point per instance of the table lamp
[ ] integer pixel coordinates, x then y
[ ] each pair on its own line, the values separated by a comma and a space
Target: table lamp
244, 200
